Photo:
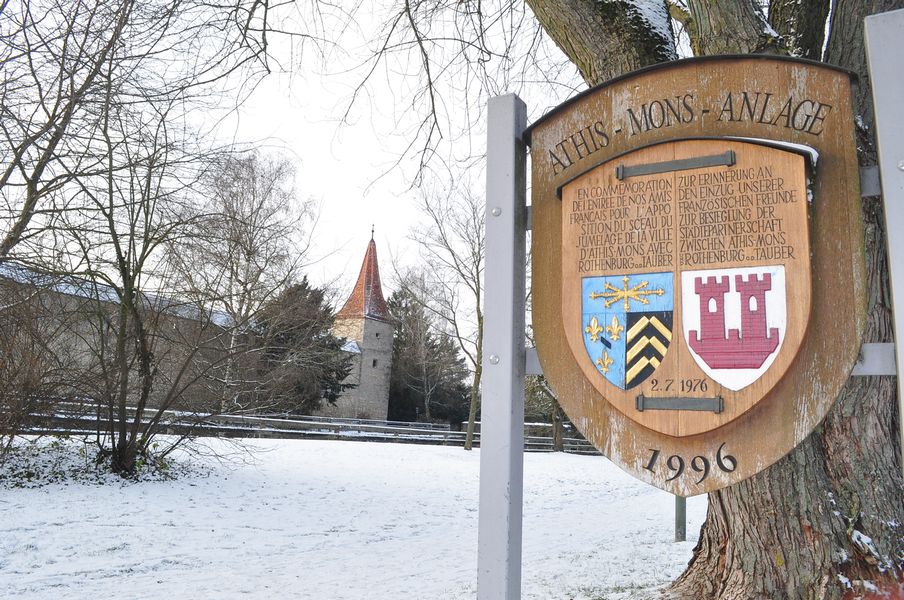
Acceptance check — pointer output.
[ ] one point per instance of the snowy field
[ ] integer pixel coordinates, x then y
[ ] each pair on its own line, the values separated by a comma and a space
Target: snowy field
337, 520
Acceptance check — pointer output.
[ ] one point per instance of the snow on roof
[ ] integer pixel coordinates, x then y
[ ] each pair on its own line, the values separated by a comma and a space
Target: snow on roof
71, 285
352, 347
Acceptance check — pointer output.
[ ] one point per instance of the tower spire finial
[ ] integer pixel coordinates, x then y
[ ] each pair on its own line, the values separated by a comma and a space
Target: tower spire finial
371, 231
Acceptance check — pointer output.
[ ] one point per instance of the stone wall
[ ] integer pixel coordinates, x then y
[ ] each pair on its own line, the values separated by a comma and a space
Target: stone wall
370, 370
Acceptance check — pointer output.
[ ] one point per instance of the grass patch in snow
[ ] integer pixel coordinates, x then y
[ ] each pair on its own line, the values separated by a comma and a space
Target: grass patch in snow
36, 462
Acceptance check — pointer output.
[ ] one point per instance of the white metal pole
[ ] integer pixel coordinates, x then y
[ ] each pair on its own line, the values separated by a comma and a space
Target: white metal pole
502, 384
884, 35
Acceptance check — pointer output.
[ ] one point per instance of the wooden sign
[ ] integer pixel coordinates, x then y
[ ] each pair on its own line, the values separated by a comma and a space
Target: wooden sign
697, 263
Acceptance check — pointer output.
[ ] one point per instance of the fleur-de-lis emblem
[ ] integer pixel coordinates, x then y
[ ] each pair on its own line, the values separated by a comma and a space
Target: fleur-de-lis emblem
614, 329
604, 362
594, 330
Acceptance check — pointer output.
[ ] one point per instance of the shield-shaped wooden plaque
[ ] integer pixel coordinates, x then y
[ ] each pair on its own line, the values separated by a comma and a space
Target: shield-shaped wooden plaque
698, 263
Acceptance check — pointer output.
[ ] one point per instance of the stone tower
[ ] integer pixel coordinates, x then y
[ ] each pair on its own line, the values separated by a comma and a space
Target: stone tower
366, 323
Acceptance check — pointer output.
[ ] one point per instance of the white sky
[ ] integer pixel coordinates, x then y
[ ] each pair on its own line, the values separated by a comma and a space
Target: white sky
348, 169
339, 168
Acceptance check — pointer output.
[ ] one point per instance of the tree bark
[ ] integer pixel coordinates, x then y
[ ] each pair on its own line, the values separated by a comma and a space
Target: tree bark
734, 27
825, 521
845, 48
475, 390
801, 25
606, 38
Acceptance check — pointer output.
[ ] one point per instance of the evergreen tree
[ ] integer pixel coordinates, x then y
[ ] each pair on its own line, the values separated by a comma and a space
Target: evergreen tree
301, 364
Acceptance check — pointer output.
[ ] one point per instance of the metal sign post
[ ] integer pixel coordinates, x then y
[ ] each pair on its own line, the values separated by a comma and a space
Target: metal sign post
502, 412
680, 519
883, 34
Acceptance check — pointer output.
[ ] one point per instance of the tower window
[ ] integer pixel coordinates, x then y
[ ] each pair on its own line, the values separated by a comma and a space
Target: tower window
377, 334
374, 364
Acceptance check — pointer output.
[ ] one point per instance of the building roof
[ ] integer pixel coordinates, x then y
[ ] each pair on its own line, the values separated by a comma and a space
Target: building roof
72, 285
366, 300
352, 347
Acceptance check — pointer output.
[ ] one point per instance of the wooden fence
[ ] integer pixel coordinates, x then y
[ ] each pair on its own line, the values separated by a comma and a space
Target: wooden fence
74, 420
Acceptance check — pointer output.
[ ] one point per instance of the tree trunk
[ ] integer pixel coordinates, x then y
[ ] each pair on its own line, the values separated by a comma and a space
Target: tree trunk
472, 410
736, 27
825, 521
845, 48
428, 388
227, 377
475, 384
801, 25
606, 38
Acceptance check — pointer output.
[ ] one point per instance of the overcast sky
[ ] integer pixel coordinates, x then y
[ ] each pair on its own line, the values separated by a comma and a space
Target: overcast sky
339, 169
348, 170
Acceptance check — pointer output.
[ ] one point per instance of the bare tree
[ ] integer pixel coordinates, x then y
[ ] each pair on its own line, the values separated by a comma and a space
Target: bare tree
452, 247
539, 400
114, 243
440, 62
53, 54
35, 369
108, 108
111, 238
245, 246
61, 59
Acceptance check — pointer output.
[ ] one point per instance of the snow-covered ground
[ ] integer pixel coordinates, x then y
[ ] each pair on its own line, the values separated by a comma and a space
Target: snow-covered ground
337, 520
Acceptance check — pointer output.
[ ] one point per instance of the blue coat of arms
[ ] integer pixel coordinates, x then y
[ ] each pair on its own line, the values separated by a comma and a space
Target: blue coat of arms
627, 324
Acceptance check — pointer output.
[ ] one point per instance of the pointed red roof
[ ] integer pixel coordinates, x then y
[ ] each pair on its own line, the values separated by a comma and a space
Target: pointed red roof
366, 300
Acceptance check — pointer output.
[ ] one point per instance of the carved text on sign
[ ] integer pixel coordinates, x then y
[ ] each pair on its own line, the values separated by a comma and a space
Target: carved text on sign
788, 111
698, 249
